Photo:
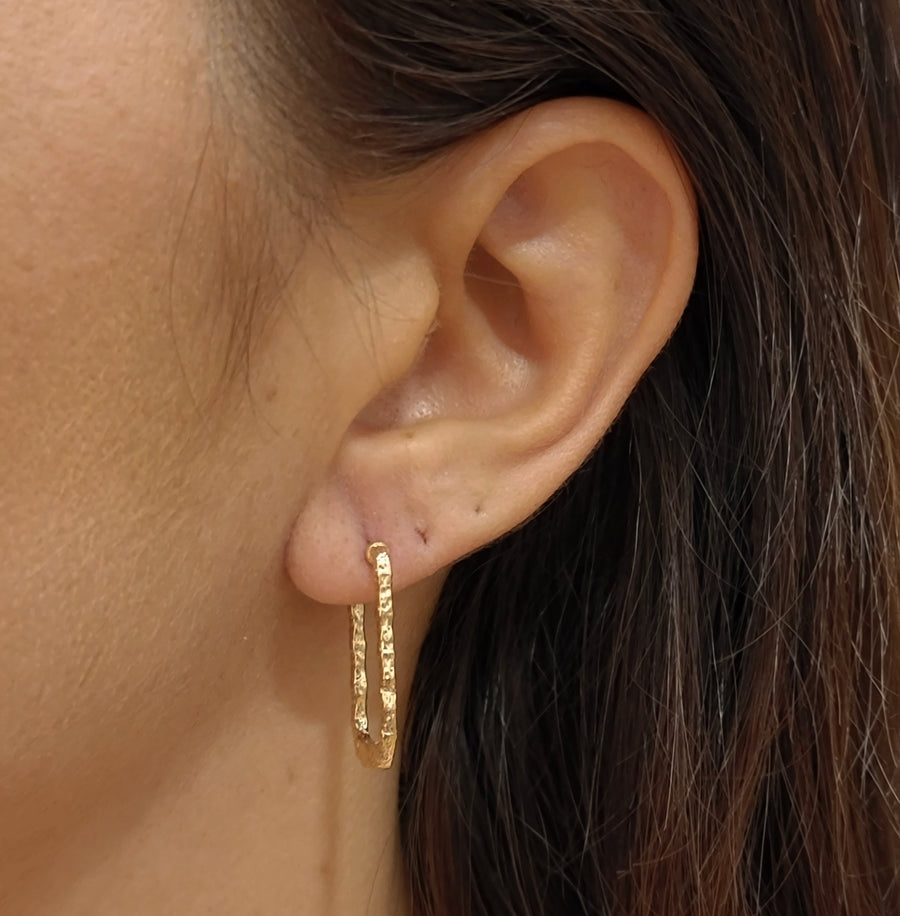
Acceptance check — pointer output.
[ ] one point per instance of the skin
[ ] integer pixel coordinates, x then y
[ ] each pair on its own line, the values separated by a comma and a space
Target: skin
183, 528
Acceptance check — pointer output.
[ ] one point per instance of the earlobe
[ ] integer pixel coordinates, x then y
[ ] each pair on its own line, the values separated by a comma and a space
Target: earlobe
564, 245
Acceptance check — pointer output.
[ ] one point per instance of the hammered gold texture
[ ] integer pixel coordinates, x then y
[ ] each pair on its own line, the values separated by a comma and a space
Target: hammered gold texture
379, 754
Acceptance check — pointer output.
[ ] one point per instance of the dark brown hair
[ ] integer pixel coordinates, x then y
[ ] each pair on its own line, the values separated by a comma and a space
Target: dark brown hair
675, 689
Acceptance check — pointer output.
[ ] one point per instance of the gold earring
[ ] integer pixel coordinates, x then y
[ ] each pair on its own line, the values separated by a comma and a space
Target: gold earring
378, 754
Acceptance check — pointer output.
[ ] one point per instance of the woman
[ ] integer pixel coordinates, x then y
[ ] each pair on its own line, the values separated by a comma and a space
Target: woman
588, 311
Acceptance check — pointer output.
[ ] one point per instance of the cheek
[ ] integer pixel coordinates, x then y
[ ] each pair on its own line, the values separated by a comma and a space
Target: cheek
119, 587
100, 140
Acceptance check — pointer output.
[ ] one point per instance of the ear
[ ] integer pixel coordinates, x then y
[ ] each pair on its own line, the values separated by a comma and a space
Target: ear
562, 247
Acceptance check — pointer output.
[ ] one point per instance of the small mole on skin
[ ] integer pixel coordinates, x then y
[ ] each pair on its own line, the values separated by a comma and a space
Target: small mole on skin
478, 509
422, 534
24, 261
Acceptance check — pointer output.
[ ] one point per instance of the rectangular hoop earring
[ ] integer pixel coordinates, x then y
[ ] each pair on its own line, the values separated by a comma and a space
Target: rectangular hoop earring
374, 754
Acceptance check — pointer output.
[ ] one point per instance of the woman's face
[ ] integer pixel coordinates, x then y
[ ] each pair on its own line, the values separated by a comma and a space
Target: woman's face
135, 450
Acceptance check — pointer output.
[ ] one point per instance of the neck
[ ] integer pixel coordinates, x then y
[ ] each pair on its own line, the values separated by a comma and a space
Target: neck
272, 813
